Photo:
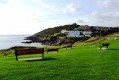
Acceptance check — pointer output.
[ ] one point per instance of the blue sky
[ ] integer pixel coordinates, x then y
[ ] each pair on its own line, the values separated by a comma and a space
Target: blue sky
32, 16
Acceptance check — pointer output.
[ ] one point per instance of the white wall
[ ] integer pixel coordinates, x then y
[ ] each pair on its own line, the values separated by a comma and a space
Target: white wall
87, 33
72, 33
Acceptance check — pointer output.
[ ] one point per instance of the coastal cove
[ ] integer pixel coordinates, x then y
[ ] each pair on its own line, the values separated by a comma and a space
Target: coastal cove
8, 41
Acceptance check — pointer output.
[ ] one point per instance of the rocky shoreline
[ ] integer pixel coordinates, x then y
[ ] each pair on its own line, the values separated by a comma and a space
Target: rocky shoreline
54, 40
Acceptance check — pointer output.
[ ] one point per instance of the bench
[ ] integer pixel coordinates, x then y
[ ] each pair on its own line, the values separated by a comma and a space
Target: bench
104, 44
67, 46
29, 51
53, 49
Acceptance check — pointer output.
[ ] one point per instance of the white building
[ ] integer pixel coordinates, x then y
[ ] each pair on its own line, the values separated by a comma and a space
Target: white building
72, 33
87, 33
76, 33
64, 31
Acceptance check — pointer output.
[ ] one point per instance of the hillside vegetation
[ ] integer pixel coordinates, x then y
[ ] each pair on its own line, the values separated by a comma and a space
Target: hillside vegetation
96, 40
113, 36
96, 30
51, 31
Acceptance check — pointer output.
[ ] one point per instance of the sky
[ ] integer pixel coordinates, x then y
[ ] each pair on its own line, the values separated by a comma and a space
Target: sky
32, 16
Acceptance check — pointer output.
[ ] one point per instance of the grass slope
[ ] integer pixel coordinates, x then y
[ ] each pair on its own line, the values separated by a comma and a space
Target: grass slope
113, 36
79, 63
97, 40
92, 41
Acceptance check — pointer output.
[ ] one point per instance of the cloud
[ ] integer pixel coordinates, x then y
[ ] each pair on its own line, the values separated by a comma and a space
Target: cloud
109, 4
70, 8
41, 4
31, 16
80, 21
110, 19
3, 1
15, 19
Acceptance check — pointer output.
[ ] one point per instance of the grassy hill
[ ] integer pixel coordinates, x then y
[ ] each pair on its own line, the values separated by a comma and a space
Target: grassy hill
51, 31
97, 40
79, 63
113, 36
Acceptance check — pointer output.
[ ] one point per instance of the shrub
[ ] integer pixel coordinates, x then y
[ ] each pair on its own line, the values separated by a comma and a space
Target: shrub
77, 38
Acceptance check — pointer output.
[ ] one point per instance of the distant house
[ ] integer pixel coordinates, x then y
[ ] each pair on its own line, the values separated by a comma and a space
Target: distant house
72, 33
87, 33
65, 32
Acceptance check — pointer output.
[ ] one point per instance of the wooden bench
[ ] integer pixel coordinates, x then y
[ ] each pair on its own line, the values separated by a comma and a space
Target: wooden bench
29, 51
104, 45
52, 49
67, 46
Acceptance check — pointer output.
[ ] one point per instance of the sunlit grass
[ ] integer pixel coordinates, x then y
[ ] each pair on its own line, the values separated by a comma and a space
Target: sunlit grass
78, 63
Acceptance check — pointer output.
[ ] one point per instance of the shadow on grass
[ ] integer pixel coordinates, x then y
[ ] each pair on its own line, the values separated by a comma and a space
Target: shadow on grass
113, 49
45, 59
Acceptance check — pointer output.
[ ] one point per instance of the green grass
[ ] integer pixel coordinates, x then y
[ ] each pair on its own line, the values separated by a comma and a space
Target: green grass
92, 41
78, 63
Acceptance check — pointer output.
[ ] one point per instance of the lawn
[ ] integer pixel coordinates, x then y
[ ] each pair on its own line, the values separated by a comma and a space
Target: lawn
78, 63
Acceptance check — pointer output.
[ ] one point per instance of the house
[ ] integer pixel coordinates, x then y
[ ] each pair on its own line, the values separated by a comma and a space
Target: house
87, 33
72, 33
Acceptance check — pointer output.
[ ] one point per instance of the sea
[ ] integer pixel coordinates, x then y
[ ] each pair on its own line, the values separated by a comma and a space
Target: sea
8, 41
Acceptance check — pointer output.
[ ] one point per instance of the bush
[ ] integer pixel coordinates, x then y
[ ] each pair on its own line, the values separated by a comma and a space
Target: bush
77, 38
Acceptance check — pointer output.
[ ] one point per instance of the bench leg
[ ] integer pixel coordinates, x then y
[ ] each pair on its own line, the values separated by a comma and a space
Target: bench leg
107, 46
42, 55
16, 57
100, 47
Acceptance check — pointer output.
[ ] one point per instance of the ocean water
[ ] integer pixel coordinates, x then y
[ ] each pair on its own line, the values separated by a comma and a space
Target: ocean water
7, 41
